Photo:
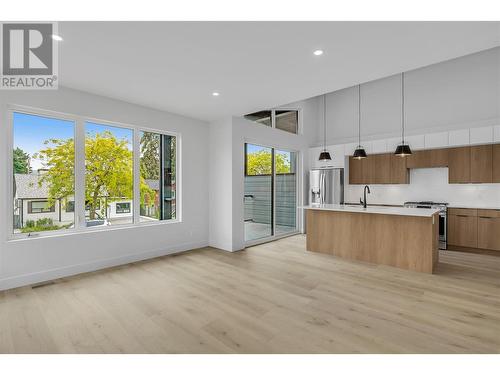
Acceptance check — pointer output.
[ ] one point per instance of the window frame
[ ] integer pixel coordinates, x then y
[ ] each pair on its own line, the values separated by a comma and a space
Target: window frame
79, 173
273, 119
42, 211
123, 211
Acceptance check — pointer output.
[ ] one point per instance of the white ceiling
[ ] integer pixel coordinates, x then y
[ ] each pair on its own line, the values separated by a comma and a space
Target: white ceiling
175, 66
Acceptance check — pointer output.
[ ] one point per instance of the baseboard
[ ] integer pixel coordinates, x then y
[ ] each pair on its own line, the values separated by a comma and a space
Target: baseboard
473, 250
56, 273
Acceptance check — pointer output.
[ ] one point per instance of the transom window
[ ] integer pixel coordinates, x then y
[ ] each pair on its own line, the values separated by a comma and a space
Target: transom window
283, 119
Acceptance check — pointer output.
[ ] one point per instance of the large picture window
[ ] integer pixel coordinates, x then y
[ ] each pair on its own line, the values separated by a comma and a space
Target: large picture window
108, 173
45, 197
43, 172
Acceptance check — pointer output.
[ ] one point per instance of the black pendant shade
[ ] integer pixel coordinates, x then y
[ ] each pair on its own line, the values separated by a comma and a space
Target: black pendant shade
403, 150
325, 155
359, 153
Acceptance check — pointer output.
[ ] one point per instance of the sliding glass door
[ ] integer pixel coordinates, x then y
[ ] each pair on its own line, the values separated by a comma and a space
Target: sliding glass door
270, 192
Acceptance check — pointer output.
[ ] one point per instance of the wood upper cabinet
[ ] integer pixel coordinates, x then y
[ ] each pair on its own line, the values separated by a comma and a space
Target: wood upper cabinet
381, 165
496, 163
462, 228
428, 159
399, 171
438, 158
355, 171
481, 164
459, 163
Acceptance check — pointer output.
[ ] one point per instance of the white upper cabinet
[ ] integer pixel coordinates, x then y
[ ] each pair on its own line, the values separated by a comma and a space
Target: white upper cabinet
416, 142
496, 134
481, 135
349, 149
458, 137
436, 140
392, 143
379, 146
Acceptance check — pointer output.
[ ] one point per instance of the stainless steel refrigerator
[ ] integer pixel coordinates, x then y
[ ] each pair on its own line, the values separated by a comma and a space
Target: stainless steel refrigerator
326, 186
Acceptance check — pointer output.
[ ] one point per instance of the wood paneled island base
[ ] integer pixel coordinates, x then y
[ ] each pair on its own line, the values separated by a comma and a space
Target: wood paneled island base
409, 242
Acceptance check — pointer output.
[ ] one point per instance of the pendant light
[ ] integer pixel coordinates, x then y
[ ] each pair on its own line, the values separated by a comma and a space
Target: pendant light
324, 155
403, 149
360, 152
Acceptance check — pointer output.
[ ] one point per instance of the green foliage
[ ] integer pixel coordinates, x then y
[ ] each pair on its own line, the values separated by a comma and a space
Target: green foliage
108, 169
41, 225
21, 161
150, 156
259, 163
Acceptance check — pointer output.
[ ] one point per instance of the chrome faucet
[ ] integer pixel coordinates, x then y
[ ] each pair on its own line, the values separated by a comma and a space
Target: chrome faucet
363, 202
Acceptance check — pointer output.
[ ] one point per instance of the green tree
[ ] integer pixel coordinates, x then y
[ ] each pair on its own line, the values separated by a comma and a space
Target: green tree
21, 161
259, 163
108, 169
150, 156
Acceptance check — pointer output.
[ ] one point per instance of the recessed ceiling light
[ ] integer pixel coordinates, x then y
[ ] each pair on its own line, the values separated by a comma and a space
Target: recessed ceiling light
57, 38
215, 93
318, 52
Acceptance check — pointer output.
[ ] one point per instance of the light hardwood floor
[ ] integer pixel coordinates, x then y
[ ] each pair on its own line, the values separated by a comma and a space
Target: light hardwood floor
271, 298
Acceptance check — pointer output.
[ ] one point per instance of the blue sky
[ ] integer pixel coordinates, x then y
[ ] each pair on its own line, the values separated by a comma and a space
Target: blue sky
31, 131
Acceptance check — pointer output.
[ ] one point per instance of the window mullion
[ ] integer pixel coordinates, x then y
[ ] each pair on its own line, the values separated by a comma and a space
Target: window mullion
79, 173
137, 176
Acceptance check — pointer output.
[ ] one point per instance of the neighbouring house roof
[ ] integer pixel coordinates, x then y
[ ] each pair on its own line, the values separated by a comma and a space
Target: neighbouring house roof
153, 184
27, 186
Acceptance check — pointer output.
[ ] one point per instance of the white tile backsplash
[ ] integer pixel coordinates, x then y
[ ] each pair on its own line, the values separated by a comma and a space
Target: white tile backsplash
429, 184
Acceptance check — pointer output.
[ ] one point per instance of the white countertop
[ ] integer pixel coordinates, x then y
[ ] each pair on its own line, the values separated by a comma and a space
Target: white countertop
474, 206
384, 210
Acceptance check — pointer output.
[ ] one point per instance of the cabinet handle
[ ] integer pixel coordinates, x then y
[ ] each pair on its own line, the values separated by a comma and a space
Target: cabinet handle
486, 217
462, 216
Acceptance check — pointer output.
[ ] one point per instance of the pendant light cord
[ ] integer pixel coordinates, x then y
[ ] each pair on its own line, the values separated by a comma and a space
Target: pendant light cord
324, 122
359, 115
403, 105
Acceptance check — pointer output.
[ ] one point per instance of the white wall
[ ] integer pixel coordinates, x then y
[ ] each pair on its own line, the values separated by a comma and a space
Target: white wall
33, 260
227, 140
455, 94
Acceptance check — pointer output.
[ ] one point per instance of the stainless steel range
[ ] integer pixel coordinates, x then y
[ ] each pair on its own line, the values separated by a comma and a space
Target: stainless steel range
443, 209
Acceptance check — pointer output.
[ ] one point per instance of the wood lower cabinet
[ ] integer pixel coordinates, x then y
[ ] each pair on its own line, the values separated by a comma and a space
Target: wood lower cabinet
488, 233
496, 163
462, 228
481, 164
459, 163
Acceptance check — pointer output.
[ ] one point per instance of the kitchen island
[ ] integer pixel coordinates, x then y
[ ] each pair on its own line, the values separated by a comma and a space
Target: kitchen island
395, 236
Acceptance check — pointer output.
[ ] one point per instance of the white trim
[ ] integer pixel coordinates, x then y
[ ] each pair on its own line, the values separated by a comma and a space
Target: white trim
261, 241
136, 173
79, 188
